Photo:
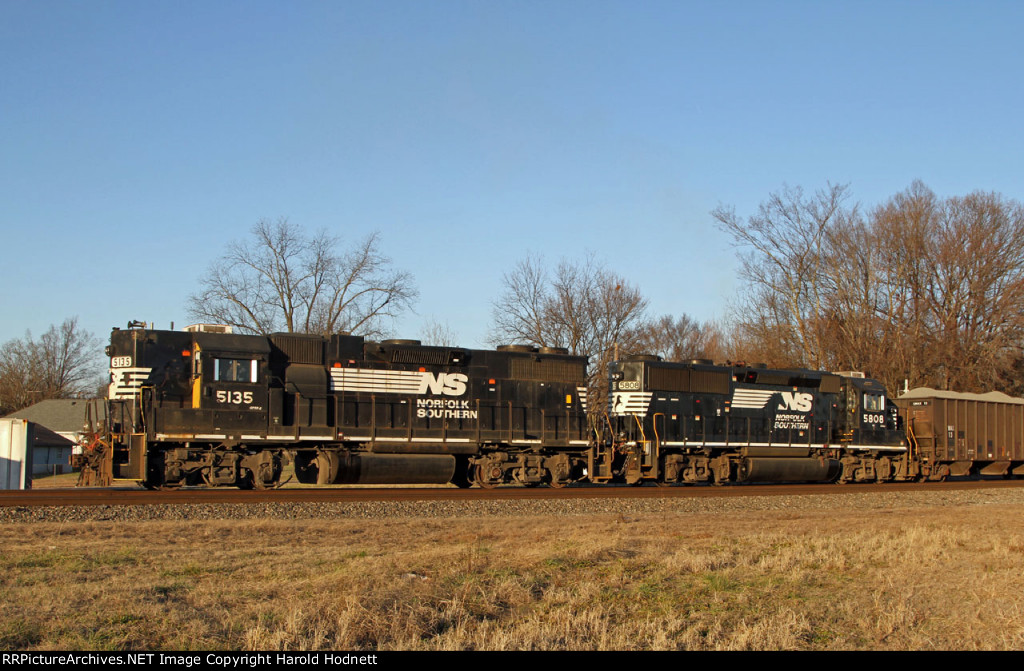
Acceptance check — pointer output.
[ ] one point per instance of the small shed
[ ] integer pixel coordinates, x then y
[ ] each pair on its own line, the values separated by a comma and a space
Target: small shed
58, 425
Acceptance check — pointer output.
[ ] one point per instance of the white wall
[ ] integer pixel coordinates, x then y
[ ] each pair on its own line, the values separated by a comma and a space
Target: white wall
15, 454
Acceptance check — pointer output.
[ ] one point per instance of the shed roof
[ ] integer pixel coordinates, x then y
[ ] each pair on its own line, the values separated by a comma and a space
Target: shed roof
63, 415
43, 437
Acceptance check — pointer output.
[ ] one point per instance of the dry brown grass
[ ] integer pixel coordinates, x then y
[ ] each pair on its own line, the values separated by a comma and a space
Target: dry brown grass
893, 580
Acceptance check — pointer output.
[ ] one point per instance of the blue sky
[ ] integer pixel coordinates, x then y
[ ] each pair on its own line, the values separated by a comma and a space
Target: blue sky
138, 138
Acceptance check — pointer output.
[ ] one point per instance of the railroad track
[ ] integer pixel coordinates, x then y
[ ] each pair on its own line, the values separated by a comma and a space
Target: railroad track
355, 494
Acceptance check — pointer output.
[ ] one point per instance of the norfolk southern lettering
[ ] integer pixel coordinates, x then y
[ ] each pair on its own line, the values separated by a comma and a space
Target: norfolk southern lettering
444, 409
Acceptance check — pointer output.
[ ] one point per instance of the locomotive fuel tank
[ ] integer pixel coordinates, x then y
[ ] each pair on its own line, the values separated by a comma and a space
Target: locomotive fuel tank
360, 468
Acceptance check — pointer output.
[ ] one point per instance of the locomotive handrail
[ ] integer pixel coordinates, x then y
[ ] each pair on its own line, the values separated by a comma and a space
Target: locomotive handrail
142, 407
373, 421
611, 429
408, 423
657, 444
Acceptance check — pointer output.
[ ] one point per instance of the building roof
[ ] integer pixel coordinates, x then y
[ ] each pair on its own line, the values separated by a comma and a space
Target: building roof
63, 415
39, 434
43, 437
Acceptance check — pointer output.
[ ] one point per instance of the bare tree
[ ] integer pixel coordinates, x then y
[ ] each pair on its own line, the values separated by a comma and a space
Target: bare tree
438, 333
976, 293
284, 280
782, 259
20, 378
681, 339
580, 305
901, 229
521, 313
925, 290
63, 363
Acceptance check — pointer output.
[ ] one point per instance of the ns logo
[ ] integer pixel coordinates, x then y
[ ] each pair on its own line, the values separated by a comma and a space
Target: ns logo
796, 402
449, 384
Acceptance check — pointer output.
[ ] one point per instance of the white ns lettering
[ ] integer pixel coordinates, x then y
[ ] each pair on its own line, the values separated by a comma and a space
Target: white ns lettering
449, 384
795, 402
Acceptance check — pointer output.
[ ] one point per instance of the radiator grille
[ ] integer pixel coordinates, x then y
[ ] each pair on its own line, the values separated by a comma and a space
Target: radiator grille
430, 357
300, 349
548, 371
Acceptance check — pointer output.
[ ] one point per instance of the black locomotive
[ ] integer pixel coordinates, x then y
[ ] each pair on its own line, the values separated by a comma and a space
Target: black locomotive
200, 407
697, 422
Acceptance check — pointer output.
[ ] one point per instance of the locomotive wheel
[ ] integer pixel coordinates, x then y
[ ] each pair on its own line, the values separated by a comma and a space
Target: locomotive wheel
551, 480
474, 477
265, 477
559, 475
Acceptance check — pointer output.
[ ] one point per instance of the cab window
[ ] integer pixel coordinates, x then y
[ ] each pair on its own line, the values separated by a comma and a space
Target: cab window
874, 403
235, 370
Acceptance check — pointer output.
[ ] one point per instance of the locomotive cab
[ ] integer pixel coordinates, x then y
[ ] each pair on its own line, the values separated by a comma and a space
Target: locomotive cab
866, 414
180, 387
229, 383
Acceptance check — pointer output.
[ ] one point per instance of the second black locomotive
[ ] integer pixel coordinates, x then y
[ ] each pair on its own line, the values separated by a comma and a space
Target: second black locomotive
698, 422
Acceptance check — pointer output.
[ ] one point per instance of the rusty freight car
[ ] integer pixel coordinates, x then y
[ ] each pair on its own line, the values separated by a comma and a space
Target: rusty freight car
958, 434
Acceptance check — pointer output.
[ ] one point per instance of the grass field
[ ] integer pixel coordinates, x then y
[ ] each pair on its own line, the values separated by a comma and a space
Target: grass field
919, 578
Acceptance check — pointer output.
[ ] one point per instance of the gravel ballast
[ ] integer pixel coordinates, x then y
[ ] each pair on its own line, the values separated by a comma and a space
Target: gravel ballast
868, 501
